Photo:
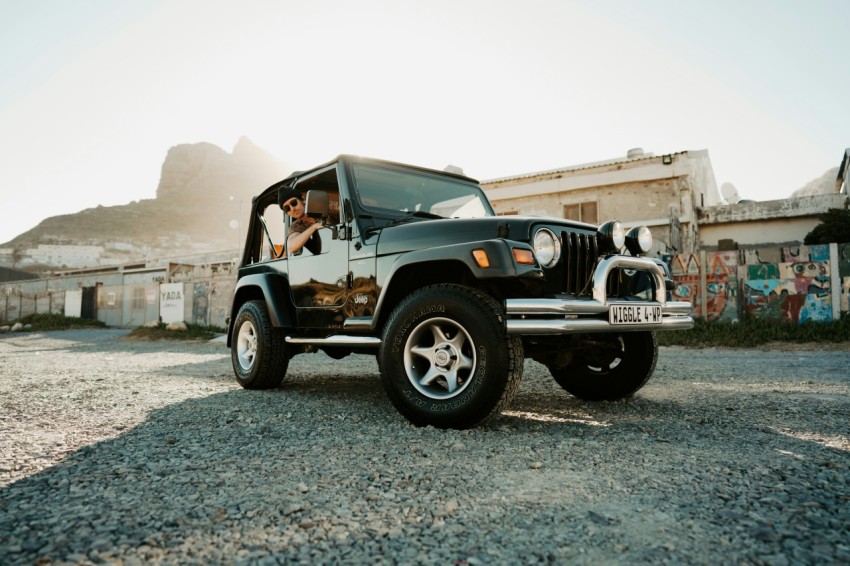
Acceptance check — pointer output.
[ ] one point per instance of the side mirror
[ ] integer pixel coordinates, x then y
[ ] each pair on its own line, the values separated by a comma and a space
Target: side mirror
316, 205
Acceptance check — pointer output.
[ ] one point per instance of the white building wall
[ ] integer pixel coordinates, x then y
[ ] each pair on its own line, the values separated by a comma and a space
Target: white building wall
782, 231
765, 223
72, 256
651, 190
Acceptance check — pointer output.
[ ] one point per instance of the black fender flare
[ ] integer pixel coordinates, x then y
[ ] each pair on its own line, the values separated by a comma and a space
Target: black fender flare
275, 291
502, 264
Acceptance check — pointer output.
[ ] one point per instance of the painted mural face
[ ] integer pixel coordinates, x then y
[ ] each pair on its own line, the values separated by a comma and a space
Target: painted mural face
809, 269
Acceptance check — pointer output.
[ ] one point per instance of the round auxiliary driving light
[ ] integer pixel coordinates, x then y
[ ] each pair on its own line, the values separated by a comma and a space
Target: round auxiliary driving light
611, 237
547, 247
639, 240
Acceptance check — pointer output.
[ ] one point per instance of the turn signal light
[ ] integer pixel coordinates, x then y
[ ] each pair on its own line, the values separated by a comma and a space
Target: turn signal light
523, 256
481, 258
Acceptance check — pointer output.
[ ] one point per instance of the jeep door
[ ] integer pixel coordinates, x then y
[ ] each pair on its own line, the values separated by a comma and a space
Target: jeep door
320, 282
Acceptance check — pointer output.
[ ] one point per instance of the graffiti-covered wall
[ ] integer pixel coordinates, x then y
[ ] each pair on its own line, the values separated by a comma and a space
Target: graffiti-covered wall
721, 283
211, 301
792, 283
789, 283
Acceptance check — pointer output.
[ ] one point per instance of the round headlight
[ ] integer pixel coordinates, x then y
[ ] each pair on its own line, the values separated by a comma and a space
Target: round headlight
547, 247
639, 240
611, 237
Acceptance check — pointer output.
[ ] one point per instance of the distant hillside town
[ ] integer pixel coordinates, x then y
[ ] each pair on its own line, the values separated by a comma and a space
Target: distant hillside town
201, 205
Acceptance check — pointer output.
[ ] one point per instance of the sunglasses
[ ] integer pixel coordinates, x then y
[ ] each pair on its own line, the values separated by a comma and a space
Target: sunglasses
290, 204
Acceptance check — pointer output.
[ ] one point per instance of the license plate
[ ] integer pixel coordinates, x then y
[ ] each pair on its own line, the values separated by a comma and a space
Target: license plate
628, 315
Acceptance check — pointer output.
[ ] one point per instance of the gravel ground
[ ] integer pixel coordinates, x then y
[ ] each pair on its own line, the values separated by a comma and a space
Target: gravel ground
114, 451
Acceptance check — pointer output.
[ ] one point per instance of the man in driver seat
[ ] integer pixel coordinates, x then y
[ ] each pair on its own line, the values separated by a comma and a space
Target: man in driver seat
303, 228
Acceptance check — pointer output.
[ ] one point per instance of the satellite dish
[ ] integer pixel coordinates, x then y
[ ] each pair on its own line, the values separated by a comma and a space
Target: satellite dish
730, 193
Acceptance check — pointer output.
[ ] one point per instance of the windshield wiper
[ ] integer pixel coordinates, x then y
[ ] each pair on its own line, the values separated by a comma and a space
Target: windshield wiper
414, 214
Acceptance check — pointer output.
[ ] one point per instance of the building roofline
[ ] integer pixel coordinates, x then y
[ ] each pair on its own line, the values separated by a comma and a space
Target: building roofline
779, 209
585, 166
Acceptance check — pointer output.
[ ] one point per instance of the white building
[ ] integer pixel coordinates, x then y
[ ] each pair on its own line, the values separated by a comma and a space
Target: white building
675, 195
662, 192
766, 223
64, 255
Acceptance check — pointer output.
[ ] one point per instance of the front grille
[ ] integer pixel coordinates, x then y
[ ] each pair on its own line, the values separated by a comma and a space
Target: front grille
579, 253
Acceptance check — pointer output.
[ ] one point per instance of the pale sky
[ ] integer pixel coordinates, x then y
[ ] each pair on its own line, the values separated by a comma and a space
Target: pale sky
93, 93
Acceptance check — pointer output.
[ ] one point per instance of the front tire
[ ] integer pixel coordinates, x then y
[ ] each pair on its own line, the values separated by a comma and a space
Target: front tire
258, 350
446, 359
616, 367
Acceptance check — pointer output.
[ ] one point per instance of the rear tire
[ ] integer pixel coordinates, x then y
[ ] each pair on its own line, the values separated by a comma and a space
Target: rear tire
446, 359
615, 369
258, 351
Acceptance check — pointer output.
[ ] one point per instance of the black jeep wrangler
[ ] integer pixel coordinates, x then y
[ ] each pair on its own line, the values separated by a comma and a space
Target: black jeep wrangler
418, 270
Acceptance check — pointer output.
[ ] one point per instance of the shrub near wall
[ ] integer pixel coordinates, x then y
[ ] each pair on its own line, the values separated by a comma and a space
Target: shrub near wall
757, 332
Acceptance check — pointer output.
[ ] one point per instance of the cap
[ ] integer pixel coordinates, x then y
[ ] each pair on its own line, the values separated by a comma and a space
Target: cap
286, 193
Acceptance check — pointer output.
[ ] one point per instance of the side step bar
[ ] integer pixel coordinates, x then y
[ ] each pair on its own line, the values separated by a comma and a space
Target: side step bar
338, 340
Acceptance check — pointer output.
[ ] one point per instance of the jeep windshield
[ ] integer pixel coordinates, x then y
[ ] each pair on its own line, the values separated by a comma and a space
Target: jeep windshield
389, 191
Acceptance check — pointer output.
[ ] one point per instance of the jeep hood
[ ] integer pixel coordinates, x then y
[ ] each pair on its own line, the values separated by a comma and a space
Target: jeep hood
419, 234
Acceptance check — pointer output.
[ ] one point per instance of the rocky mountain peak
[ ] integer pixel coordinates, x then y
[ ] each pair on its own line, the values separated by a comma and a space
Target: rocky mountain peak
203, 191
246, 149
185, 164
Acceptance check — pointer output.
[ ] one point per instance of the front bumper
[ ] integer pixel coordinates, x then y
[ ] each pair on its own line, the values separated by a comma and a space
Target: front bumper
572, 315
